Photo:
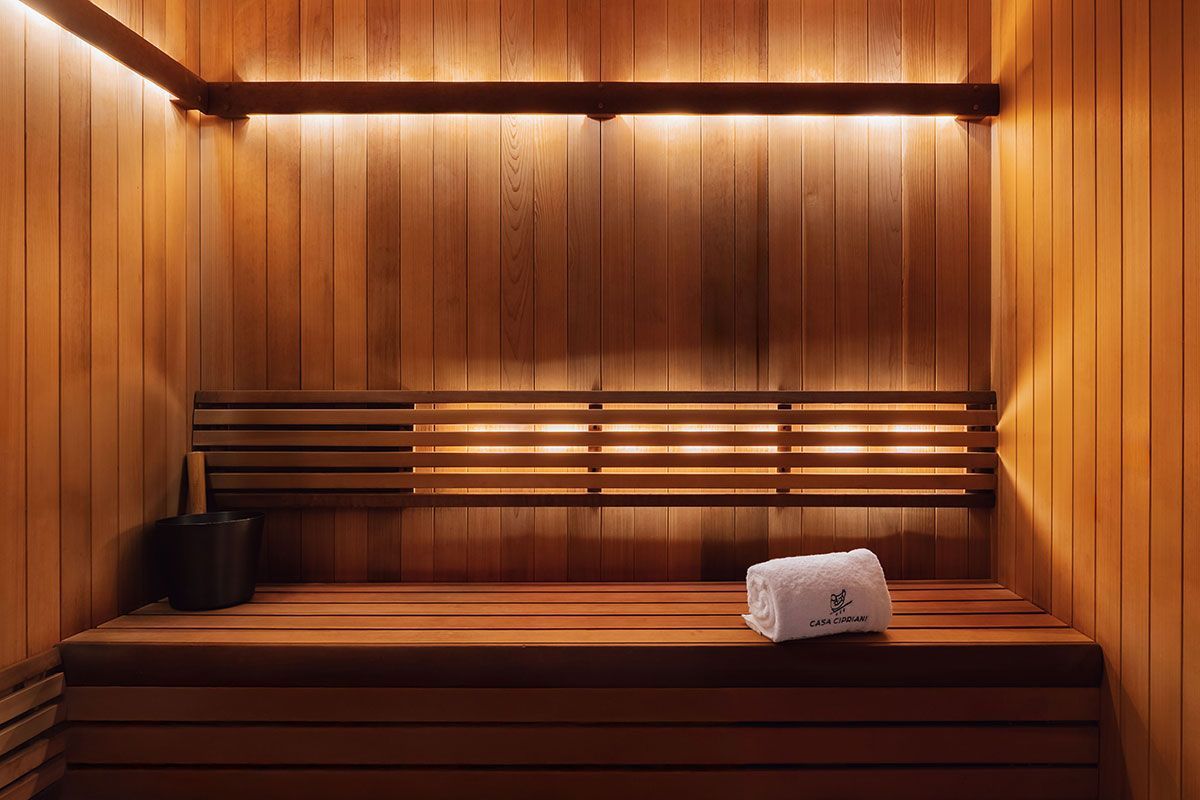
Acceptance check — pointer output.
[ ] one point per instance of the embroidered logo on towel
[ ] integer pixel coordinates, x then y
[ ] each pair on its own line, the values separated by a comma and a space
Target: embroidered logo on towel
838, 602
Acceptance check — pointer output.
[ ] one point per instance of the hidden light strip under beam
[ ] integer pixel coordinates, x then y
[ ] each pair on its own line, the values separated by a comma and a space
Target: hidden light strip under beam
245, 98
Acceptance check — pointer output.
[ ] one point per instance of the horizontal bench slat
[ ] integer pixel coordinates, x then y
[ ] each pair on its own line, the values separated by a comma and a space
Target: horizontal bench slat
18, 733
624, 416
281, 459
402, 438
23, 700
630, 621
583, 638
273, 449
29, 759
708, 499
289, 606
826, 704
226, 481
549, 744
304, 783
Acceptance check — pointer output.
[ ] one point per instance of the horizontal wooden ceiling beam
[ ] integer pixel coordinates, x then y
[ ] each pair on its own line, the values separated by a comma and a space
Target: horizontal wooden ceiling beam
108, 35
969, 100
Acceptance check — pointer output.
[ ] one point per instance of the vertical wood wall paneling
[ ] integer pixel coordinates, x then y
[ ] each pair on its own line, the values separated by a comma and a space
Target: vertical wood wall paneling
156, 493
282, 537
1109, 182
1043, 297
1020, 463
895, 251
281, 61
249, 238
684, 303
317, 254
951, 262
41, 299
350, 262
651, 273
216, 212
179, 318
416, 261
852, 251
1165, 600
191, 231
75, 268
1061, 314
583, 264
1084, 337
87, 428
751, 525
718, 314
980, 527
130, 353
549, 154
1135, 393
1190, 678
518, 280
482, 59
450, 360
1003, 241
785, 297
104, 521
618, 291
819, 239
563, 252
12, 336
383, 331
1104, 371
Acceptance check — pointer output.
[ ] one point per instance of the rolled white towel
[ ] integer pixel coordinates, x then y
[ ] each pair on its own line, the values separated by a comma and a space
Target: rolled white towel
806, 596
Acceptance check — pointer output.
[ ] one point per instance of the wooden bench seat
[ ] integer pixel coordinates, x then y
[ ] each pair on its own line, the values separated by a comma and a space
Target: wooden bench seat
578, 690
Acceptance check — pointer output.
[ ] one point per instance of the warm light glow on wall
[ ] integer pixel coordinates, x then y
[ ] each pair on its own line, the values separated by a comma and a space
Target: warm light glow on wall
667, 120
44, 25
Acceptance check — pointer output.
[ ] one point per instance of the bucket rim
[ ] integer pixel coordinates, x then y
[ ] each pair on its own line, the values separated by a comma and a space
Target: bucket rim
209, 518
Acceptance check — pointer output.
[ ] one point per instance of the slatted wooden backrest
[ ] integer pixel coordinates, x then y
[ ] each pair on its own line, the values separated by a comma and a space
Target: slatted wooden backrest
32, 714
270, 449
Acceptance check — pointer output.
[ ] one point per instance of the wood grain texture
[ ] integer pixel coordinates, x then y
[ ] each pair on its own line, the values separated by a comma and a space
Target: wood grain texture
100, 25
580, 255
89, 274
31, 715
1190, 756
1100, 468
12, 301
42, 479
75, 334
571, 237
696, 690
257, 446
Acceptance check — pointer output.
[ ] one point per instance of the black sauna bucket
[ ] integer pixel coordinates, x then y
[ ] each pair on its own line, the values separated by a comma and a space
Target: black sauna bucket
211, 559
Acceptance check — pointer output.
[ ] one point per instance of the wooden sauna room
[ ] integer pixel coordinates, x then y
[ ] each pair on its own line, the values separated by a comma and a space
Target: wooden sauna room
581, 399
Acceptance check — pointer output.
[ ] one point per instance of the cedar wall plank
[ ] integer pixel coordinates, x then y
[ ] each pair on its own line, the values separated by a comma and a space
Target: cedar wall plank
13, 598
1096, 185
1191, 422
350, 543
92, 425
637, 253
